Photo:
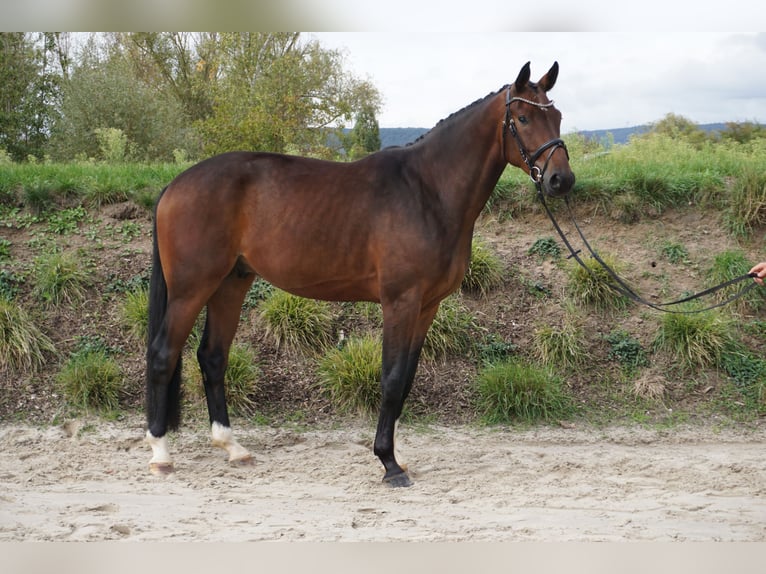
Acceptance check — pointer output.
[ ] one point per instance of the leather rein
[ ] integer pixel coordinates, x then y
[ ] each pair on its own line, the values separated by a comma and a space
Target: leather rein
536, 174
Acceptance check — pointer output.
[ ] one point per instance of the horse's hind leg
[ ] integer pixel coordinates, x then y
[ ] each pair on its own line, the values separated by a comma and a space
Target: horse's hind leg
223, 312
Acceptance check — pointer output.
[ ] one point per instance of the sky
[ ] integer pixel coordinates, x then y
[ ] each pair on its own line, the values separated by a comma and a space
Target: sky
606, 80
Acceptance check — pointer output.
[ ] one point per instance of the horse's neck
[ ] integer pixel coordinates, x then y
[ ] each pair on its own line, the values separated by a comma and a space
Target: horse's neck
466, 163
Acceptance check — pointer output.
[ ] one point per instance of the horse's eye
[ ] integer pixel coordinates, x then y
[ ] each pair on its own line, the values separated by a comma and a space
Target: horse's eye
523, 119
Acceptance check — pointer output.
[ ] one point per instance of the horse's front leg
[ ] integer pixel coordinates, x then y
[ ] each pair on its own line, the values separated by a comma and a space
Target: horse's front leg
403, 336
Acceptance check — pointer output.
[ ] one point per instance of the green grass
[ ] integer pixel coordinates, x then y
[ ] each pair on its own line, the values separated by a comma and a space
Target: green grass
592, 285
351, 375
516, 390
694, 341
23, 347
485, 271
451, 332
299, 324
562, 348
60, 278
135, 313
91, 380
746, 209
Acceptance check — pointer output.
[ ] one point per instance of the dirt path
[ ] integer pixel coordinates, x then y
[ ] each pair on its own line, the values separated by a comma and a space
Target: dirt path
546, 484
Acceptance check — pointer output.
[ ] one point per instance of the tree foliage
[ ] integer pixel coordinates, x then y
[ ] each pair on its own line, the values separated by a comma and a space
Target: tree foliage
365, 137
28, 92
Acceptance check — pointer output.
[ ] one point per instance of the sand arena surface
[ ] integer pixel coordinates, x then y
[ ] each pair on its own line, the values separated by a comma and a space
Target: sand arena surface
82, 482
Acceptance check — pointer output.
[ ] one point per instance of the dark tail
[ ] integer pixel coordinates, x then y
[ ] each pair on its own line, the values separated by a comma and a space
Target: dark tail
158, 303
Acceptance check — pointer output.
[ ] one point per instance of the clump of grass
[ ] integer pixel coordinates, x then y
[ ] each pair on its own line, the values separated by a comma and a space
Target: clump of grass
545, 248
593, 286
22, 345
351, 375
694, 340
485, 271
726, 266
135, 313
560, 347
451, 331
626, 208
747, 201
303, 325
59, 278
91, 379
517, 390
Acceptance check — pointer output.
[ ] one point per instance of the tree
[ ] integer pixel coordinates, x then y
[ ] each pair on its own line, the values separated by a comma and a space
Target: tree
365, 137
104, 96
28, 93
677, 126
278, 93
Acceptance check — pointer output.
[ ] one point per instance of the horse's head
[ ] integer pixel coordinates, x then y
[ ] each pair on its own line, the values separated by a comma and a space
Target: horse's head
532, 132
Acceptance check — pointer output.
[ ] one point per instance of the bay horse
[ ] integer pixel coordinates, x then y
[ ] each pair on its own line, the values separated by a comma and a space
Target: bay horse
393, 228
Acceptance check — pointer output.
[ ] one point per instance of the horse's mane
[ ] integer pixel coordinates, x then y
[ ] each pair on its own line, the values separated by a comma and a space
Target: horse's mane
453, 115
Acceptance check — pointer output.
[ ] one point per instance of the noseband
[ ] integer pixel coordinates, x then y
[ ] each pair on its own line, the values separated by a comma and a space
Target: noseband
535, 173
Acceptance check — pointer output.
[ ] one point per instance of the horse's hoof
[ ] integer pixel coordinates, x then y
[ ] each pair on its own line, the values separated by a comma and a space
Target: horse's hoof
243, 461
161, 468
399, 480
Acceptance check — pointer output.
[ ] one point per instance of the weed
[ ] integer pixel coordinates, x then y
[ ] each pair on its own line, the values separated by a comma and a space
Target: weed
516, 389
748, 373
351, 375
22, 345
59, 278
545, 248
9, 284
485, 271
5, 249
66, 221
674, 252
494, 349
259, 291
303, 325
91, 379
626, 350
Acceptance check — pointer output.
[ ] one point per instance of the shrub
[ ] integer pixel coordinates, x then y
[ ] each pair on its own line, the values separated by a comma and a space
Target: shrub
515, 389
91, 379
485, 271
593, 286
451, 332
351, 375
135, 313
59, 278
694, 340
22, 344
303, 325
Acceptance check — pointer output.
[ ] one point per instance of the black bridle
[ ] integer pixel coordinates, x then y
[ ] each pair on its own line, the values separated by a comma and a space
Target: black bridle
619, 285
509, 125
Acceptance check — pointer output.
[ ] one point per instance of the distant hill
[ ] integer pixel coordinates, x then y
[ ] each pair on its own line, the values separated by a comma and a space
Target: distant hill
403, 136
622, 135
399, 136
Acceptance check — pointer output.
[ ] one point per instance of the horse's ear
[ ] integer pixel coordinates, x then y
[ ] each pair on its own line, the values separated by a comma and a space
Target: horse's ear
523, 79
549, 80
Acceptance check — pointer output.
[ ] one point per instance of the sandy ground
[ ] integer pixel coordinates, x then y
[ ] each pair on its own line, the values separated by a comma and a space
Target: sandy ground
84, 482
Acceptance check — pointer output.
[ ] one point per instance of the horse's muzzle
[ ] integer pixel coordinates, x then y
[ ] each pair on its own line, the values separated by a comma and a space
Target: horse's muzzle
558, 182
